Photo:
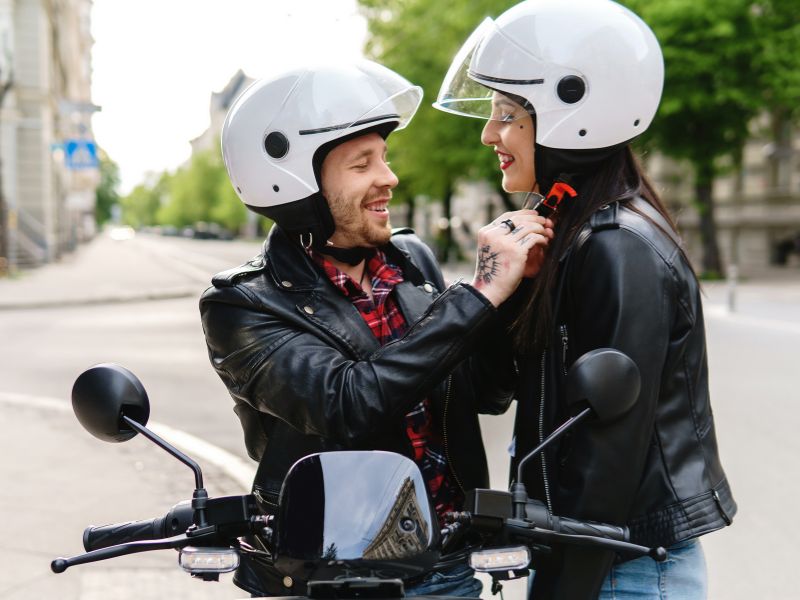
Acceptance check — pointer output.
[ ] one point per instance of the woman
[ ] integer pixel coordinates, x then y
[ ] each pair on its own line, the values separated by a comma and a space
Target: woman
565, 86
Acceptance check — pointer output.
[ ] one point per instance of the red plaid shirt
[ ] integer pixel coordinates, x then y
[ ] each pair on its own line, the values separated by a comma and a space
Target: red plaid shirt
387, 323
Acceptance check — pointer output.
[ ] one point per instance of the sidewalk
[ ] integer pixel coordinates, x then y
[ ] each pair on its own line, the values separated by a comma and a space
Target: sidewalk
101, 271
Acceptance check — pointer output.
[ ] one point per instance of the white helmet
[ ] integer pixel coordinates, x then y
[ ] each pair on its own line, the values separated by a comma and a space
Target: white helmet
591, 70
279, 130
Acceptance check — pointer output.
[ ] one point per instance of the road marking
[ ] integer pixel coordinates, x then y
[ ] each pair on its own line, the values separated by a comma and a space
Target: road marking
234, 467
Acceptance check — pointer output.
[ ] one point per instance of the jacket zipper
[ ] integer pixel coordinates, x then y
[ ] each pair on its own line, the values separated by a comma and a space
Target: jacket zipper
541, 439
564, 346
444, 433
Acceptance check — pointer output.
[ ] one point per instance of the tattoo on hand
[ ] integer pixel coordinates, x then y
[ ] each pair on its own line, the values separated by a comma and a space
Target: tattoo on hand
488, 265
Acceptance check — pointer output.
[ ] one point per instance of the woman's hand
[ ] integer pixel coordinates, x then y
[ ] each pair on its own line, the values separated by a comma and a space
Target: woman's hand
510, 248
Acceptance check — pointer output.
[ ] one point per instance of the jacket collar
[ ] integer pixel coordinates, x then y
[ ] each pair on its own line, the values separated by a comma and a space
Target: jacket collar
318, 301
288, 263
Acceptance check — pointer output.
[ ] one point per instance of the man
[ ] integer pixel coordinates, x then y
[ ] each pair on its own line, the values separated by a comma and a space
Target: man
341, 334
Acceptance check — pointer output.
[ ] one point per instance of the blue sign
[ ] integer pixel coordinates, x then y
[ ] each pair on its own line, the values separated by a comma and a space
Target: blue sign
80, 154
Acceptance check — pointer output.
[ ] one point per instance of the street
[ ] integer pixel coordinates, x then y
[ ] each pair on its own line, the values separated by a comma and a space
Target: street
754, 370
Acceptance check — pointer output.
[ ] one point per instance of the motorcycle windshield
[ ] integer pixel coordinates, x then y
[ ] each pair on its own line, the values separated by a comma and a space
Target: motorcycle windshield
355, 506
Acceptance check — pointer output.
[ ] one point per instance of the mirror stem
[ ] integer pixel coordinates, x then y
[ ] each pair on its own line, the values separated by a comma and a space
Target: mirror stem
200, 496
198, 474
562, 429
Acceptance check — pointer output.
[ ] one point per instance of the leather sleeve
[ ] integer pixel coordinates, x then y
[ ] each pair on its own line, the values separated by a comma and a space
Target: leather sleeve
491, 367
621, 295
307, 382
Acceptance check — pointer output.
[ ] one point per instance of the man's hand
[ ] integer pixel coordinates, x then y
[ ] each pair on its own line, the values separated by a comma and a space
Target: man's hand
510, 248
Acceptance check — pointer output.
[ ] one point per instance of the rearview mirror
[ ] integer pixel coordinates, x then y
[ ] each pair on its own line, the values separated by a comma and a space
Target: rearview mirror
605, 379
101, 396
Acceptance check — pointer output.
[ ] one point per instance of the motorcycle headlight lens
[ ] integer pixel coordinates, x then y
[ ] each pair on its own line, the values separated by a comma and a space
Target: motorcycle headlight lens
500, 559
208, 560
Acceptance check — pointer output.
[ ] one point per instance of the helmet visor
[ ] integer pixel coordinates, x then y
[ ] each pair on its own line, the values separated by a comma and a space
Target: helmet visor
468, 92
374, 95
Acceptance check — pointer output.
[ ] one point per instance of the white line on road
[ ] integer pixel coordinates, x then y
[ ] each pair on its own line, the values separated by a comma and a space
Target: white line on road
236, 468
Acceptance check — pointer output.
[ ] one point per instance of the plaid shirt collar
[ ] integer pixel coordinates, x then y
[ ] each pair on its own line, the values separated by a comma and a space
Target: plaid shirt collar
383, 276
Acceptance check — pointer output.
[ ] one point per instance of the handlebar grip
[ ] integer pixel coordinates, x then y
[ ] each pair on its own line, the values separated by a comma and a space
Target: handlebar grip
604, 530
104, 536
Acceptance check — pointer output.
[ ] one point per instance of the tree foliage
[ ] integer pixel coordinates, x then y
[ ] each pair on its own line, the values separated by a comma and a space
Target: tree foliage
778, 61
418, 39
140, 207
726, 61
198, 192
106, 194
708, 101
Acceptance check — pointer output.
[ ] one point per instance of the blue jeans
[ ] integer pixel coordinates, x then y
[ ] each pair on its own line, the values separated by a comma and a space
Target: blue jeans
458, 581
681, 577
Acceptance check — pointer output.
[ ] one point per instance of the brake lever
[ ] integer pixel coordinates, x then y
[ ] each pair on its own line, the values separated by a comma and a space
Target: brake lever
59, 565
527, 530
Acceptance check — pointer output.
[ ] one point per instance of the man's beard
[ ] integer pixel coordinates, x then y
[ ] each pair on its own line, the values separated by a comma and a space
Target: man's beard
352, 223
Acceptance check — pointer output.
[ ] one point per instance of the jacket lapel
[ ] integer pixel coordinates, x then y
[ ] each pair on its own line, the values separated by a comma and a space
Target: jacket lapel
413, 300
318, 301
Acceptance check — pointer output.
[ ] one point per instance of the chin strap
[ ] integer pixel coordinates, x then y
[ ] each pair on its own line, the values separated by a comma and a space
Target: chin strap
351, 256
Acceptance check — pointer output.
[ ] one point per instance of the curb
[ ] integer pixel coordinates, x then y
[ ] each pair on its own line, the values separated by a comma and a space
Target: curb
145, 296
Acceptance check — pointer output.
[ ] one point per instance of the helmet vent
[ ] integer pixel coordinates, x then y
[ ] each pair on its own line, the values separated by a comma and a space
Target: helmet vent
582, 132
276, 144
636, 123
571, 89
275, 188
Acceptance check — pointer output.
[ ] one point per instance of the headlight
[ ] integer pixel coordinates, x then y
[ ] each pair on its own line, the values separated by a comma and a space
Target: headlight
500, 559
208, 560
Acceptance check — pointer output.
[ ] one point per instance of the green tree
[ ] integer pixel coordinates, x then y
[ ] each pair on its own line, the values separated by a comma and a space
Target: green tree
202, 192
778, 73
418, 39
228, 210
140, 207
106, 194
710, 50
191, 192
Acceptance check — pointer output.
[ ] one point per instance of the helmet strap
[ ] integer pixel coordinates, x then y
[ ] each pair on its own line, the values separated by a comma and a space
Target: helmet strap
351, 256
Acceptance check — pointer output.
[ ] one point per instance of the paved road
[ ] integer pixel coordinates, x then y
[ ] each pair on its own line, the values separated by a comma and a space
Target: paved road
57, 479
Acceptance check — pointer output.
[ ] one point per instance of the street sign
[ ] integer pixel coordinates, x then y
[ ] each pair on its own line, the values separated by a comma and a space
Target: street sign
80, 154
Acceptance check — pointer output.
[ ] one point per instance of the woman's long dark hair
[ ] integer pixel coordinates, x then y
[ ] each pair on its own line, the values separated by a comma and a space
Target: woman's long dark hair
619, 178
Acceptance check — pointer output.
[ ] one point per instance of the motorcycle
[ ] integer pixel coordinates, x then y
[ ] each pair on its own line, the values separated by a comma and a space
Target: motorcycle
353, 524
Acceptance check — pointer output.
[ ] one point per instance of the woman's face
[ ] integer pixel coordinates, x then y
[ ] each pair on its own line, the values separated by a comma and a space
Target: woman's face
511, 132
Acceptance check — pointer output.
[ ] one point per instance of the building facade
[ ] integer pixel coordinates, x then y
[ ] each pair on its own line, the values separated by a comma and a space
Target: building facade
49, 160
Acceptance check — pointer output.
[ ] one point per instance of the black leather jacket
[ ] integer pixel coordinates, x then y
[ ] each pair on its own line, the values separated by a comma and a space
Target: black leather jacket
625, 284
307, 375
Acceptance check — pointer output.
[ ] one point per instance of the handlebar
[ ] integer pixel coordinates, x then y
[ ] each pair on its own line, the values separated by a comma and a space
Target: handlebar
537, 513
491, 512
175, 522
229, 517
104, 536
592, 528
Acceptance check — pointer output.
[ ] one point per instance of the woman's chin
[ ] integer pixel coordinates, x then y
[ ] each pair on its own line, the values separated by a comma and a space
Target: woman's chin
512, 185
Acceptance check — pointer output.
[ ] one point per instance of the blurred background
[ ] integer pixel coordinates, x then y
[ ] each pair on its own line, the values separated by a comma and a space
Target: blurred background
115, 210
111, 113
